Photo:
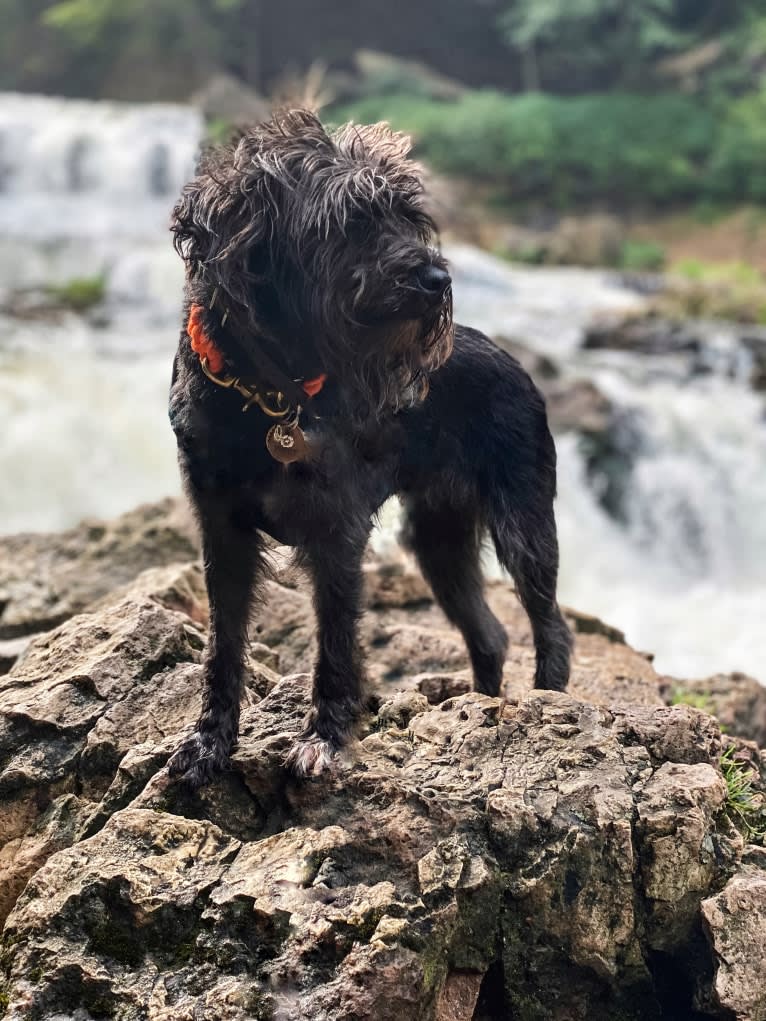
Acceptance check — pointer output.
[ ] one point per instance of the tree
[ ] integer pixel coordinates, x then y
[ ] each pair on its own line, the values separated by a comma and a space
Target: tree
88, 22
611, 41
146, 37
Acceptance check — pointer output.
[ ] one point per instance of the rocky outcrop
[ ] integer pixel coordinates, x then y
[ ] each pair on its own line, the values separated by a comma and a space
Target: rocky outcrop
706, 345
555, 845
81, 698
737, 701
543, 855
588, 240
45, 579
227, 99
754, 342
735, 920
644, 334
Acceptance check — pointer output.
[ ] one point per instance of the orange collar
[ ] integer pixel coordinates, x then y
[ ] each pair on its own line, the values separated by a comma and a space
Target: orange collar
208, 351
311, 387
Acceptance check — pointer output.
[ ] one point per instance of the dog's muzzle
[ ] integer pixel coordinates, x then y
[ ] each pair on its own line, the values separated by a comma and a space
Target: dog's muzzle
433, 280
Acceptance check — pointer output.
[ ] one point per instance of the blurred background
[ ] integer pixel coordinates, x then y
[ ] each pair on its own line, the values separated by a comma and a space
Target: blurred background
599, 171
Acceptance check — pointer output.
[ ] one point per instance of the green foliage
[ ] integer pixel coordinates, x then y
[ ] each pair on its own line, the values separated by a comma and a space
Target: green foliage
744, 805
621, 43
219, 131
611, 135
645, 23
82, 20
602, 33
695, 699
80, 293
145, 34
709, 211
528, 255
664, 148
566, 46
87, 21
740, 274
691, 269
564, 150
738, 167
710, 290
642, 256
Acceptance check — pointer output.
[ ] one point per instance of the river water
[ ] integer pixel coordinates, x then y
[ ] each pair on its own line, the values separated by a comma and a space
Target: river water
86, 188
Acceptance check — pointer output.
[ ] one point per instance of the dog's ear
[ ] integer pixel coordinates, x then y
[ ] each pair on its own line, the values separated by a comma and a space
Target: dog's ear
224, 221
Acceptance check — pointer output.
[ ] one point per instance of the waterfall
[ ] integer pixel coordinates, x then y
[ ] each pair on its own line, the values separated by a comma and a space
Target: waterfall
86, 187
86, 190
85, 153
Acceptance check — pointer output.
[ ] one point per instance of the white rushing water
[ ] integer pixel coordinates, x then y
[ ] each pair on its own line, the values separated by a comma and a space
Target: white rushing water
86, 188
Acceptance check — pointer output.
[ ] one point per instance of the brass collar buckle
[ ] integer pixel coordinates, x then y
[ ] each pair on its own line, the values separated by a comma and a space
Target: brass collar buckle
272, 403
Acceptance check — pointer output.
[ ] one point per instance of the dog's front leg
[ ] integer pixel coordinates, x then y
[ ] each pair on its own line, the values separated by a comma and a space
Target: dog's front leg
233, 558
336, 571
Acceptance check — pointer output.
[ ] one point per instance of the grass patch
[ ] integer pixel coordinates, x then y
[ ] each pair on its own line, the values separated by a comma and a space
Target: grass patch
735, 274
642, 256
707, 290
219, 131
744, 805
527, 255
80, 293
709, 212
695, 699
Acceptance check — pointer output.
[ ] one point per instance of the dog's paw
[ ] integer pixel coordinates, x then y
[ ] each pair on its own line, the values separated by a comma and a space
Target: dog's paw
311, 756
199, 759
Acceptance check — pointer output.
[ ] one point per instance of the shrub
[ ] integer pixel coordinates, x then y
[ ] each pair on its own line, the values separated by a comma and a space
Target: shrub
80, 293
712, 290
626, 147
642, 256
744, 803
219, 131
735, 274
738, 164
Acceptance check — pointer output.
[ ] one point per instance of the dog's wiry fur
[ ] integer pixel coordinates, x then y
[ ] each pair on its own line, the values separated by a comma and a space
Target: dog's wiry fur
317, 247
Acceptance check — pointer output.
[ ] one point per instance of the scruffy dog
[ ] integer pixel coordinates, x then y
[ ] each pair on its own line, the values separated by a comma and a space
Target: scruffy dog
314, 292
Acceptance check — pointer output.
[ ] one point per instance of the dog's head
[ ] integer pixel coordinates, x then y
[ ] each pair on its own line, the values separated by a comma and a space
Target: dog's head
319, 236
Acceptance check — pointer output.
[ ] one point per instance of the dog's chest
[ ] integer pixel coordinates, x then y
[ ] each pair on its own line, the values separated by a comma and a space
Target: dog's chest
339, 487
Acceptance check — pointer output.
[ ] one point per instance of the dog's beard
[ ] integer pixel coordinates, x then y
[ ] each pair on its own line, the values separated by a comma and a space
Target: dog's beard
393, 369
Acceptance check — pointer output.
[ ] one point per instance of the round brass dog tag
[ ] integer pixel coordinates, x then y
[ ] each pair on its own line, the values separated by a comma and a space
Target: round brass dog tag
286, 443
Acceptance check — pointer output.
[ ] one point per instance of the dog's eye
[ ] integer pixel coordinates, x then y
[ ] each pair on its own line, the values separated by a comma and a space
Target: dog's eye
422, 224
358, 230
258, 261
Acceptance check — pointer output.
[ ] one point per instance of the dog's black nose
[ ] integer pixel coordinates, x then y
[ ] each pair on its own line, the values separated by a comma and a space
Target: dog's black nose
433, 279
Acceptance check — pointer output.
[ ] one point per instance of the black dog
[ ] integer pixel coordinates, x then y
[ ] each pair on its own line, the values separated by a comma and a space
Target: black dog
314, 292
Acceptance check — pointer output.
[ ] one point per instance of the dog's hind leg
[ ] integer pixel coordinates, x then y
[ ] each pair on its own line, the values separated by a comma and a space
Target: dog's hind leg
447, 543
336, 573
233, 560
527, 547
